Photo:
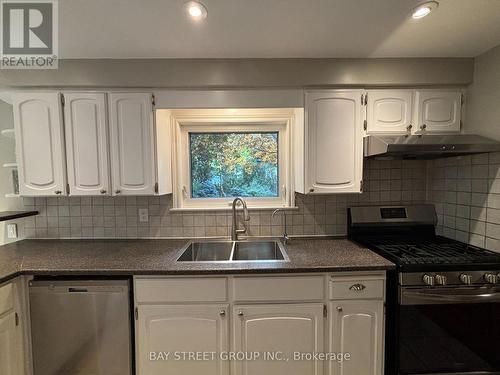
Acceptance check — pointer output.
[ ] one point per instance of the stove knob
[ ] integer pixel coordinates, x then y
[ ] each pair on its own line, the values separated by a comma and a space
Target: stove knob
429, 280
466, 279
491, 278
440, 280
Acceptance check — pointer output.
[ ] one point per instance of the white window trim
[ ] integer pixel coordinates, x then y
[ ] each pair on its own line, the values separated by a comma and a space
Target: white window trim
217, 120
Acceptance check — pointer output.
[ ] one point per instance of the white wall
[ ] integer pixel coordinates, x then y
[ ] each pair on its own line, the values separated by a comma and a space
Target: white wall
7, 155
483, 103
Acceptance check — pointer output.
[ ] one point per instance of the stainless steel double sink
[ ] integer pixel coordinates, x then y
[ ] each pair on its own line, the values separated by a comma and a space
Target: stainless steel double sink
234, 251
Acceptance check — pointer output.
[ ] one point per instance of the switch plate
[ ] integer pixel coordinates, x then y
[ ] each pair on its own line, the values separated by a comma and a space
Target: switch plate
11, 230
143, 215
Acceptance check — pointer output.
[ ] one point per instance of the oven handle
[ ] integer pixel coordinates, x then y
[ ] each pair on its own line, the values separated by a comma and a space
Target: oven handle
451, 295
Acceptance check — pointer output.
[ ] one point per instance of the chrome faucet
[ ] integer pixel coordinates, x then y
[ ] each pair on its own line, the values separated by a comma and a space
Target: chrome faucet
246, 217
285, 234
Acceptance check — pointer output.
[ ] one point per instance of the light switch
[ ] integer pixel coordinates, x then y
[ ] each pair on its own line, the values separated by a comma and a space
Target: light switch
143, 215
11, 230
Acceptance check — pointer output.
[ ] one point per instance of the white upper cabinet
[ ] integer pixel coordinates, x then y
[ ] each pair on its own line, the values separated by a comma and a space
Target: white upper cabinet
334, 141
438, 111
39, 143
278, 328
389, 111
86, 129
132, 143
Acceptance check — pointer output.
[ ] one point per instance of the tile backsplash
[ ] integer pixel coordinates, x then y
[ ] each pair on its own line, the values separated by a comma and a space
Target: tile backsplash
466, 193
385, 182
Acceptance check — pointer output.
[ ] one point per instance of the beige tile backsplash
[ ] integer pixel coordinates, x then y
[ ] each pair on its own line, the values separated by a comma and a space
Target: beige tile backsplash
466, 193
386, 182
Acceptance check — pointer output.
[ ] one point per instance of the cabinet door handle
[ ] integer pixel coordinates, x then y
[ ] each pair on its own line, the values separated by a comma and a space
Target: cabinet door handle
58, 192
222, 313
357, 287
340, 309
118, 191
423, 127
103, 191
240, 313
409, 127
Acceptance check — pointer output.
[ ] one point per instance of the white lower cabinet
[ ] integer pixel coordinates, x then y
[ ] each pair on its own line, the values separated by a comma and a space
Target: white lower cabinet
9, 356
182, 328
14, 359
278, 328
356, 328
275, 316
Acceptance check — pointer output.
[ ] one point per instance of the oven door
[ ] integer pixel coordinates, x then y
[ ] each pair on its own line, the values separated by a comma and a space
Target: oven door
449, 330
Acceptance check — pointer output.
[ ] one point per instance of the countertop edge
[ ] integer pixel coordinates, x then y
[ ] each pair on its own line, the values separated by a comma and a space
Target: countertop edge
248, 271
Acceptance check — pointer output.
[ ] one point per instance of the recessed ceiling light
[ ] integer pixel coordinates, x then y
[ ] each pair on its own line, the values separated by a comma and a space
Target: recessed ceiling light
424, 9
197, 11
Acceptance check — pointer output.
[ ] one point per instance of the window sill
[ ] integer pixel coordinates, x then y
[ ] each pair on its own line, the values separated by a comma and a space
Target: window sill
229, 209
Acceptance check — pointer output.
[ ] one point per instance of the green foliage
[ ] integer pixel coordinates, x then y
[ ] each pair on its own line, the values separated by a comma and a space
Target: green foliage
234, 164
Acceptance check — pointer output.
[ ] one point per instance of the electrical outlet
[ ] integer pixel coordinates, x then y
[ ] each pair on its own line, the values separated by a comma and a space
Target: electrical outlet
11, 230
143, 215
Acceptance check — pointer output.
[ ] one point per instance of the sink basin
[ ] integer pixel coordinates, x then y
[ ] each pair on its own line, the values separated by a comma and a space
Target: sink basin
207, 252
258, 250
234, 251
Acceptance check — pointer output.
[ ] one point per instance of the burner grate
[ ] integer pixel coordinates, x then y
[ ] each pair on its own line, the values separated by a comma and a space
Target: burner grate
435, 251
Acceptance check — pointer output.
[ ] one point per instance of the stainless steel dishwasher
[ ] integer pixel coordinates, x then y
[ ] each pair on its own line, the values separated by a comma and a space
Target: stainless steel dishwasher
81, 327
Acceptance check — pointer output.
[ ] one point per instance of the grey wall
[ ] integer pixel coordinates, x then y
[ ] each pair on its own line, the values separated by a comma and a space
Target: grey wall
483, 104
246, 73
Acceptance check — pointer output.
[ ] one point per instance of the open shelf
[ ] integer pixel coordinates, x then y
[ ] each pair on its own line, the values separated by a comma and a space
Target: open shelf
11, 215
9, 133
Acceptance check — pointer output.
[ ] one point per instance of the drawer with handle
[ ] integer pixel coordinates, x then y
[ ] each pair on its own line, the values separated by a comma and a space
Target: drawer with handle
347, 287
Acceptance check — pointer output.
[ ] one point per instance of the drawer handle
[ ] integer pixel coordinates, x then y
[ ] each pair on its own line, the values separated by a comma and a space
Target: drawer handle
222, 313
240, 313
357, 287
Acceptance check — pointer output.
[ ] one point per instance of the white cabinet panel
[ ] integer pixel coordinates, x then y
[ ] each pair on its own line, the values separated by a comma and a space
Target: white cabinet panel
284, 328
334, 156
438, 111
132, 143
86, 143
182, 328
9, 359
39, 143
356, 327
389, 111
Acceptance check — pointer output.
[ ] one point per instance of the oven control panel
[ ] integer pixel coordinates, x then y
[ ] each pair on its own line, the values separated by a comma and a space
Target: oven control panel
436, 279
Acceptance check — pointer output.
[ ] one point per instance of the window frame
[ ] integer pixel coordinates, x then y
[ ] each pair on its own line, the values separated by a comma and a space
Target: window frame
231, 120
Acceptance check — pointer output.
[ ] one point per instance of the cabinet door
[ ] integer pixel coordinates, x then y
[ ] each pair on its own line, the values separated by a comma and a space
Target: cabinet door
389, 111
334, 154
357, 328
9, 351
132, 143
438, 111
182, 328
278, 328
39, 144
86, 143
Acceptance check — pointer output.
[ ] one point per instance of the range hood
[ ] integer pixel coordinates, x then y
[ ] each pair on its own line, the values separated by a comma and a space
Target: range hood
427, 146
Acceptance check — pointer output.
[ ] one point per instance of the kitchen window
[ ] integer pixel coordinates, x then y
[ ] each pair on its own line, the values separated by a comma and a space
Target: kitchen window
227, 153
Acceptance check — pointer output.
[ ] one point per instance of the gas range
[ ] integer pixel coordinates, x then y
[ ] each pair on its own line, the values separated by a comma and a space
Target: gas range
406, 236
443, 299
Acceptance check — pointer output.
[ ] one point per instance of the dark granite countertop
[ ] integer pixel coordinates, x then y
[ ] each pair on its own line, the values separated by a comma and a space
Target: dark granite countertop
148, 257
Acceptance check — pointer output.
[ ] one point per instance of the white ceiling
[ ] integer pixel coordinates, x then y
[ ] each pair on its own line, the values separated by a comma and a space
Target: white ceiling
276, 28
